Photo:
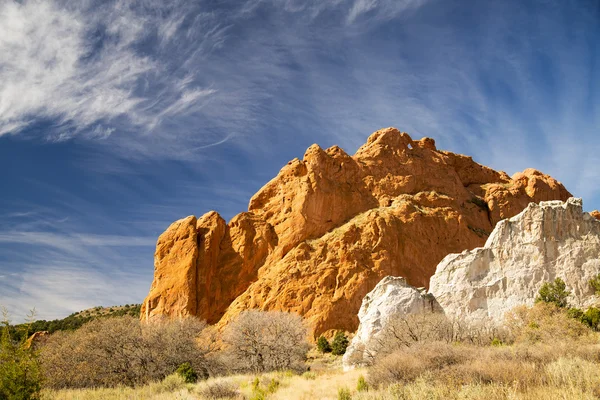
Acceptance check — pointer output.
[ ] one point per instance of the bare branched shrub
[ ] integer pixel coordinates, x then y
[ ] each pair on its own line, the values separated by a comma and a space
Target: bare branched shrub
409, 330
259, 341
122, 351
219, 390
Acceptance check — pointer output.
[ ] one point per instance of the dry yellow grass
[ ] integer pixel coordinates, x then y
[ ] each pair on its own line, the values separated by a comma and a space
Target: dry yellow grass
325, 385
568, 378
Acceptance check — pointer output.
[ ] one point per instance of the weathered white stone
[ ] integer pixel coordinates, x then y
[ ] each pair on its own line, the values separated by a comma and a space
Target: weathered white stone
391, 297
545, 241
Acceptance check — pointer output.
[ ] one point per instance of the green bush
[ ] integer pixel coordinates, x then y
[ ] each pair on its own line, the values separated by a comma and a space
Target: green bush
339, 344
20, 372
344, 394
554, 292
595, 283
186, 371
362, 385
591, 317
323, 345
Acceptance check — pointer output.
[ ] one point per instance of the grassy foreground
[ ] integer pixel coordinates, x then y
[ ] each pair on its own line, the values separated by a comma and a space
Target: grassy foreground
565, 377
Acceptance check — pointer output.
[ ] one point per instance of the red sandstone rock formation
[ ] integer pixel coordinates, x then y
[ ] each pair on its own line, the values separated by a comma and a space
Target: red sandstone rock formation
327, 228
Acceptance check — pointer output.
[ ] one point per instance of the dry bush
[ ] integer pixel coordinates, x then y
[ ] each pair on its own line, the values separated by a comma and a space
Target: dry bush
487, 371
408, 363
520, 366
546, 323
122, 351
431, 327
259, 341
574, 373
456, 365
219, 390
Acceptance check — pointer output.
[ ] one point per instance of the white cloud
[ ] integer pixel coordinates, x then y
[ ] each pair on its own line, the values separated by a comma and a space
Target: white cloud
79, 65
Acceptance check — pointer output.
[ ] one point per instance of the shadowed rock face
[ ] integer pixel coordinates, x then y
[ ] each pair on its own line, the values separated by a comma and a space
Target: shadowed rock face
320, 235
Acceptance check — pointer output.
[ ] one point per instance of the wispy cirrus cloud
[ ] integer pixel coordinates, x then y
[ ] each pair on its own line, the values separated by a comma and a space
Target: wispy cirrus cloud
85, 68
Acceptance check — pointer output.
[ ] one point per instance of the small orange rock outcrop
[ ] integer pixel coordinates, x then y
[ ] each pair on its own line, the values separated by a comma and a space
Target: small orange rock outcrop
595, 214
327, 228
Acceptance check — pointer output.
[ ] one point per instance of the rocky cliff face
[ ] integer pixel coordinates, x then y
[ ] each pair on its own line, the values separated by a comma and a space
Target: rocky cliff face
545, 241
320, 235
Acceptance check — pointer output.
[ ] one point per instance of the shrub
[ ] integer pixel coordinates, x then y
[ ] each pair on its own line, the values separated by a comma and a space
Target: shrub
186, 371
362, 385
344, 394
408, 363
323, 345
553, 292
310, 376
172, 383
123, 351
20, 372
546, 323
262, 392
595, 284
339, 344
259, 341
219, 390
591, 317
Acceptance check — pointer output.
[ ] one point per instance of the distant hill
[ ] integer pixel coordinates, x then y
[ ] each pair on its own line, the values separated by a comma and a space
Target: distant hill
75, 320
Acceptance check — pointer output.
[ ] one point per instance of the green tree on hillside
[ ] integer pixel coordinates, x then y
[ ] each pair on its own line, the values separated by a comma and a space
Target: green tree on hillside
20, 371
339, 344
554, 292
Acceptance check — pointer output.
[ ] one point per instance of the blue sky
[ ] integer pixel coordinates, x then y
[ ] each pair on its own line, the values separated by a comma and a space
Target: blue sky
119, 117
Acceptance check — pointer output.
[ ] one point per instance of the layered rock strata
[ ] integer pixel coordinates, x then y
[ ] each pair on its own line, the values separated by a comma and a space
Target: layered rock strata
320, 235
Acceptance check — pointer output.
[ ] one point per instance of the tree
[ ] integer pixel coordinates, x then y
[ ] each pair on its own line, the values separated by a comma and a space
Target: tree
260, 341
554, 292
323, 345
339, 344
123, 351
20, 372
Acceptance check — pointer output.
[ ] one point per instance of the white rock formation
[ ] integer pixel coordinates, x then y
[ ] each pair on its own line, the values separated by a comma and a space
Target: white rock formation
391, 297
543, 242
